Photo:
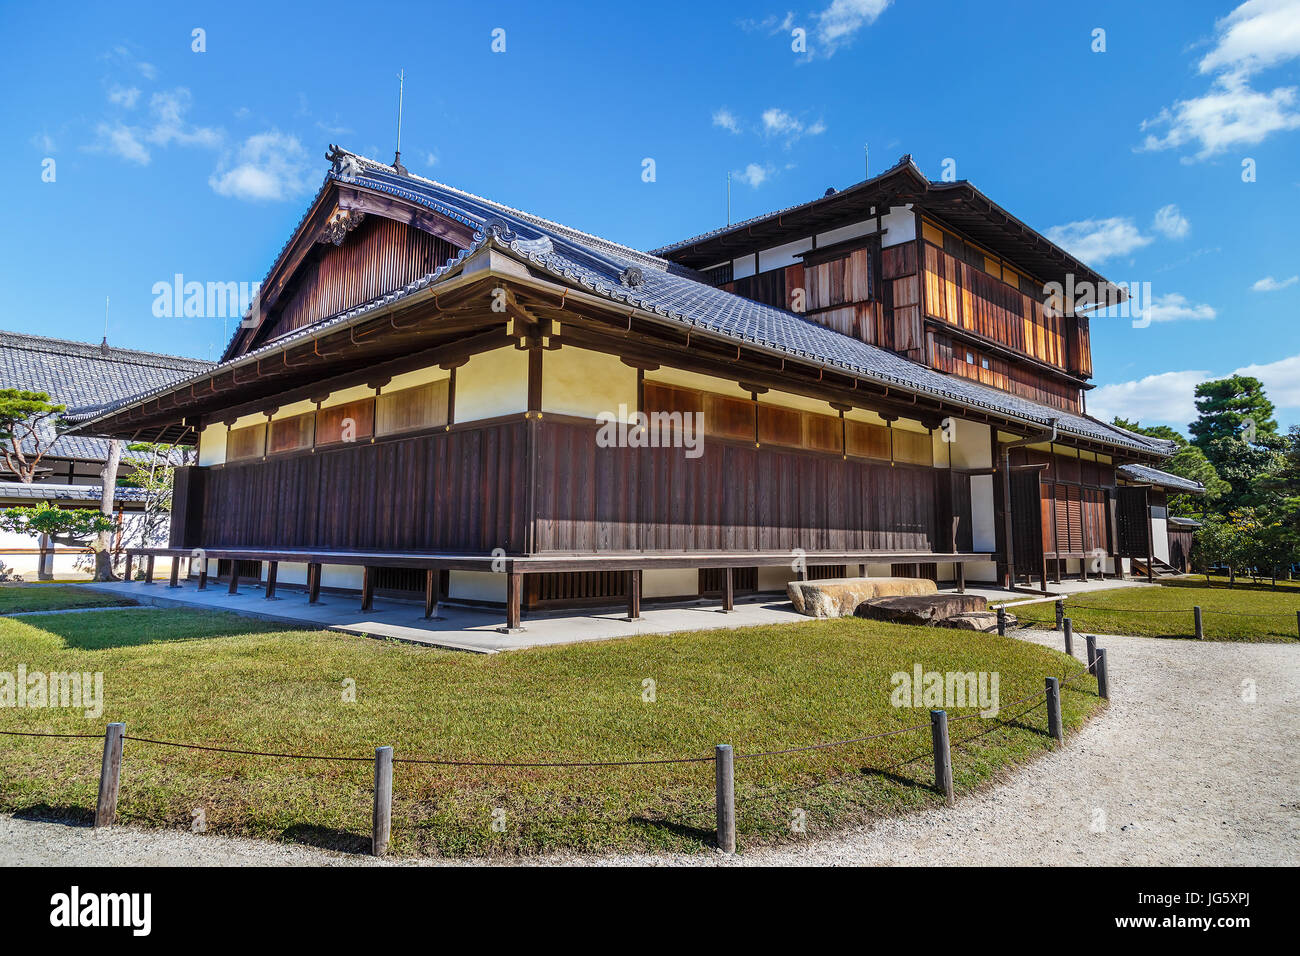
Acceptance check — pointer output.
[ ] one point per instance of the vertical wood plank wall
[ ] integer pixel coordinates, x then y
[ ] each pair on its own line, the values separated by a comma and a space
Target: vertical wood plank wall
465, 490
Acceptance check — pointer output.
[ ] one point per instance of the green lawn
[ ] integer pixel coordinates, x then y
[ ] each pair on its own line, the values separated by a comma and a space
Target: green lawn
215, 678
54, 597
1241, 613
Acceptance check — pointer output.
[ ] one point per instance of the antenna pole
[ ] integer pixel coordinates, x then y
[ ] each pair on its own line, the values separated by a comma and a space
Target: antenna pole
401, 90
105, 318
866, 164
728, 198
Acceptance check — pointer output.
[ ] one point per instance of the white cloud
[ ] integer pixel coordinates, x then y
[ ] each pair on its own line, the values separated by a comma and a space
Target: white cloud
1171, 223
124, 96
1169, 397
727, 120
1255, 36
839, 23
168, 110
1226, 117
44, 142
268, 166
779, 124
753, 175
1096, 240
1269, 284
1281, 380
121, 141
430, 158
1172, 307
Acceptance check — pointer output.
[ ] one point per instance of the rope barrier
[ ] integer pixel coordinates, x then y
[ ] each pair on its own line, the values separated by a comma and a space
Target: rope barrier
23, 733
833, 743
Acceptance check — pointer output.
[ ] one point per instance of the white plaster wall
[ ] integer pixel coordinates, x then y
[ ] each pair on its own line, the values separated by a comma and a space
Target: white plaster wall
492, 384
744, 266
584, 383
775, 579
671, 582
1159, 534
781, 256
983, 525
845, 233
212, 445
339, 576
476, 585
899, 226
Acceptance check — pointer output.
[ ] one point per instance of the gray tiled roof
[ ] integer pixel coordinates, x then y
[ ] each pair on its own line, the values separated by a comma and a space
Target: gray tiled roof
1164, 479
80, 374
51, 491
678, 294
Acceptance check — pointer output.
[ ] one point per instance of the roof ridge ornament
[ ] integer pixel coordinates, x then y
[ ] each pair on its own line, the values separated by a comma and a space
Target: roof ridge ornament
534, 247
632, 277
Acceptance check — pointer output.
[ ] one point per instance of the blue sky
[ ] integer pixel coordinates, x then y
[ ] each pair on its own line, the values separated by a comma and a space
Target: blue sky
168, 160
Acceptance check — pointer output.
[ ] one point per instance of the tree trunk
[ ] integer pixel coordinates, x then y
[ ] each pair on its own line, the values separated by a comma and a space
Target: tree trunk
104, 544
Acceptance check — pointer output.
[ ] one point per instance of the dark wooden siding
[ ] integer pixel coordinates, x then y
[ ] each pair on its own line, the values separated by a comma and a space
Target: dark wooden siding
446, 491
380, 256
732, 497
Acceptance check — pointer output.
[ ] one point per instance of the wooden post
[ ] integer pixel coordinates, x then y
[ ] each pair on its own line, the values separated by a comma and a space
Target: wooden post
313, 582
367, 588
110, 776
174, 579
942, 754
383, 815
431, 594
1067, 626
126, 574
272, 569
1002, 622
634, 595
203, 575
1297, 622
1054, 710
234, 576
1103, 676
1060, 612
514, 602
1196, 620
1090, 655
148, 570
961, 577
725, 796
728, 591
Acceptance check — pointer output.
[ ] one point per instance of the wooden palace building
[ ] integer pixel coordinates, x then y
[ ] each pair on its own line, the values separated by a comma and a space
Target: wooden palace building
444, 395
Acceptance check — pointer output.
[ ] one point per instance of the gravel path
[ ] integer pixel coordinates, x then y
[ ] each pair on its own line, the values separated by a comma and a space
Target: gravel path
1180, 769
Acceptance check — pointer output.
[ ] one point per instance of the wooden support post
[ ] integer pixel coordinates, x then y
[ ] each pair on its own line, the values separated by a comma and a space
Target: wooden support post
1196, 621
725, 796
173, 580
234, 576
313, 582
431, 595
367, 588
1002, 622
728, 590
961, 577
1090, 655
383, 816
1297, 622
272, 570
1060, 612
1067, 627
148, 570
1054, 710
862, 570
1103, 675
126, 575
110, 776
514, 602
203, 575
942, 754
634, 595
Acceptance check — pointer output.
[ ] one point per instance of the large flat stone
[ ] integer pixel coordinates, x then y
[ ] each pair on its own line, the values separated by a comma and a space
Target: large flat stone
840, 597
925, 609
984, 621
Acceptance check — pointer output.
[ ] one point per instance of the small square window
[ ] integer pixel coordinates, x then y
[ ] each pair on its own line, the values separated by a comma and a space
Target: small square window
984, 363
970, 358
